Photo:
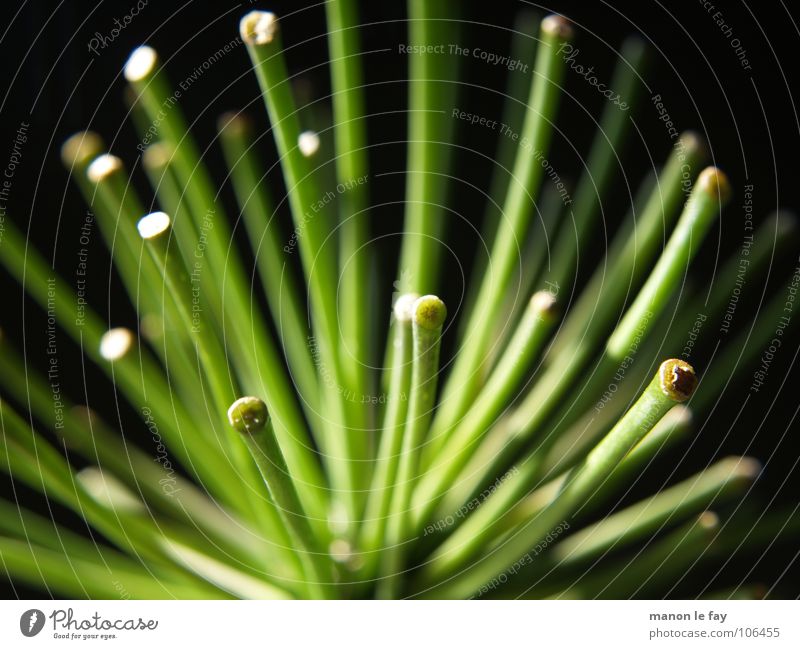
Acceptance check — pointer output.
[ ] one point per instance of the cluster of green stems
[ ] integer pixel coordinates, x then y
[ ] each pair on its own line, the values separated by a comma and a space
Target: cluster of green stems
276, 482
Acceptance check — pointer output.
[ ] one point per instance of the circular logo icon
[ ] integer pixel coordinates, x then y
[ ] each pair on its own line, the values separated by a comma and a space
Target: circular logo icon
31, 622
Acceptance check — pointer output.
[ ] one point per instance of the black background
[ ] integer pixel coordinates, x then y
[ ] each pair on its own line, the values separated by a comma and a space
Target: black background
53, 82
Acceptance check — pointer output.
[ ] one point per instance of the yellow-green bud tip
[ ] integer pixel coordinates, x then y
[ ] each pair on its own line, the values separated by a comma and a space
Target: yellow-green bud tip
429, 312
258, 27
248, 415
677, 379
715, 183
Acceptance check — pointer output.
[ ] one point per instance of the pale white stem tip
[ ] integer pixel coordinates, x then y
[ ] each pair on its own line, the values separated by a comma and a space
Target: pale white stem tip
140, 64
153, 224
115, 343
308, 143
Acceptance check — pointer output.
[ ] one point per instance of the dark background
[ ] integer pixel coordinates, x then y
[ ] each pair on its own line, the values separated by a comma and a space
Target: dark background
53, 82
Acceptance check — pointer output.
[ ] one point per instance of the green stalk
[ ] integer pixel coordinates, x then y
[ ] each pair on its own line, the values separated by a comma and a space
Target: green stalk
708, 196
429, 313
260, 32
350, 139
431, 91
711, 193
656, 565
463, 385
502, 386
673, 383
488, 526
114, 578
716, 485
223, 283
629, 256
139, 378
603, 160
117, 208
249, 416
391, 443
264, 233
154, 230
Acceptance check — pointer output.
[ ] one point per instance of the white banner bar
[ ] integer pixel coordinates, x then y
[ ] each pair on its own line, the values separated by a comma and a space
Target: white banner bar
386, 625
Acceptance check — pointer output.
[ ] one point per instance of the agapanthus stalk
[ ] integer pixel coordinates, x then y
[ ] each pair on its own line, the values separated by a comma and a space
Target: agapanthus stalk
249, 416
391, 443
260, 31
674, 382
516, 361
523, 192
429, 313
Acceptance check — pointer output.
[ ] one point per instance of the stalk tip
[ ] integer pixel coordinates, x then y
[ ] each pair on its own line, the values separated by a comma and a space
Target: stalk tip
694, 143
678, 379
234, 122
708, 521
82, 147
429, 312
102, 167
140, 64
115, 343
558, 26
157, 155
714, 181
248, 415
258, 27
544, 303
153, 225
403, 307
308, 142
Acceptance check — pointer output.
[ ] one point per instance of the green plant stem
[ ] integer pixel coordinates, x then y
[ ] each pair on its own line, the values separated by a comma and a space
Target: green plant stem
596, 178
265, 237
223, 283
115, 577
249, 416
708, 196
211, 358
517, 360
261, 33
491, 523
635, 245
117, 209
712, 191
461, 388
432, 87
671, 429
428, 317
349, 130
656, 565
716, 485
674, 382
140, 378
391, 443
523, 48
